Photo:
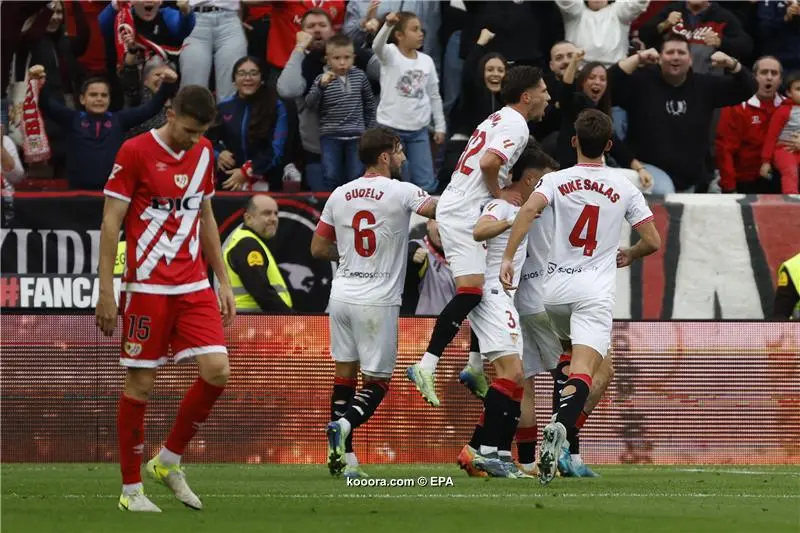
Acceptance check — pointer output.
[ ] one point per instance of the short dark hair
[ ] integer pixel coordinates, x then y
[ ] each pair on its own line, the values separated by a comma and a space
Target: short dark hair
315, 11
757, 62
339, 40
593, 129
195, 101
792, 77
674, 37
374, 142
93, 80
533, 157
517, 81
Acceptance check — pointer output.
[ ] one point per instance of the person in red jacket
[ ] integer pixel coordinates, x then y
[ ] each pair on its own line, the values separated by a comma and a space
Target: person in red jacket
287, 21
784, 126
741, 132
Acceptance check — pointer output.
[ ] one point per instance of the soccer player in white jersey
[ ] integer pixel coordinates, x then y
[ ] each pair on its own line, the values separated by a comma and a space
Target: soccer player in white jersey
364, 226
496, 323
481, 174
589, 202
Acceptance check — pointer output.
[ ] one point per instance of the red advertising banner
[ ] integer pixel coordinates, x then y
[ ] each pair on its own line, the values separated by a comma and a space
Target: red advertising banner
684, 393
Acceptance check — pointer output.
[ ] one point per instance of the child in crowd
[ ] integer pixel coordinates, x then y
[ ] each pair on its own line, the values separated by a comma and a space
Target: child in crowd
783, 126
409, 95
343, 98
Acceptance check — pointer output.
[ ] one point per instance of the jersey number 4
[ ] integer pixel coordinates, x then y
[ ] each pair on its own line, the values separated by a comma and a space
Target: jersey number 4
364, 239
588, 220
474, 146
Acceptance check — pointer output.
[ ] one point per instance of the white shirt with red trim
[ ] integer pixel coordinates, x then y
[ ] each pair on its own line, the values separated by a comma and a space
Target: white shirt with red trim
589, 203
530, 295
495, 247
165, 191
504, 133
369, 218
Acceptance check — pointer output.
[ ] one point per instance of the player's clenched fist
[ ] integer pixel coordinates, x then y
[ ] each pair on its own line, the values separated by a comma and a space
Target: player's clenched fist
106, 314
507, 274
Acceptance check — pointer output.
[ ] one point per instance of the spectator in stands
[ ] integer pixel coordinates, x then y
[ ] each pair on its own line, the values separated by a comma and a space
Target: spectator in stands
217, 40
429, 281
156, 30
453, 15
94, 135
85, 13
288, 18
410, 95
707, 26
256, 16
779, 31
257, 282
670, 110
783, 127
362, 23
305, 64
140, 90
741, 132
590, 91
343, 98
13, 171
482, 77
250, 133
33, 16
57, 53
546, 131
600, 28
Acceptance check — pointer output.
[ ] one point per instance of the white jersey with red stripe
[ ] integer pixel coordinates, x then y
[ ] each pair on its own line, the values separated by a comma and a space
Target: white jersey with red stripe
496, 246
504, 133
369, 218
530, 295
165, 191
589, 204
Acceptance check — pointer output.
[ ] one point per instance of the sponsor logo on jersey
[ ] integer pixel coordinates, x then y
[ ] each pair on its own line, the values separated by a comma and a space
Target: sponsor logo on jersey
345, 273
181, 180
186, 203
161, 166
134, 349
255, 258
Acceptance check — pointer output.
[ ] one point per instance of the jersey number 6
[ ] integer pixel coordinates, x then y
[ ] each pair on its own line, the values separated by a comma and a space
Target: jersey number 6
364, 239
587, 219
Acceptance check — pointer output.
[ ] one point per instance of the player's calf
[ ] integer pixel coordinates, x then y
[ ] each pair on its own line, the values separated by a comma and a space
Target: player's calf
130, 435
527, 430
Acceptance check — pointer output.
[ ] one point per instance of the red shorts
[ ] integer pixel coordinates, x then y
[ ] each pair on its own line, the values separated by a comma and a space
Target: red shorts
189, 323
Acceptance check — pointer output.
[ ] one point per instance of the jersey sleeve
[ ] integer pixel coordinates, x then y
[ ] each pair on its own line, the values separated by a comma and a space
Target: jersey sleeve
326, 227
412, 197
508, 138
122, 181
495, 209
546, 187
638, 212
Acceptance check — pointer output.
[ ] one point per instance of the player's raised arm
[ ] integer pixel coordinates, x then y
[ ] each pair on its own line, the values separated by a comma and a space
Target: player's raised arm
527, 214
649, 242
114, 212
212, 249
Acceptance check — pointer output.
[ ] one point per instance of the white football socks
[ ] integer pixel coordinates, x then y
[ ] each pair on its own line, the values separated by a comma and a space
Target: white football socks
169, 458
429, 362
476, 361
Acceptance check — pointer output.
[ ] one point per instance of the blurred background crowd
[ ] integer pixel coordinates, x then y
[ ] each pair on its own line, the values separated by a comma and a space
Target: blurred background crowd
705, 96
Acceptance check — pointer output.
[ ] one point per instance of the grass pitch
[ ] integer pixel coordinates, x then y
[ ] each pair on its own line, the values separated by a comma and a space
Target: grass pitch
82, 498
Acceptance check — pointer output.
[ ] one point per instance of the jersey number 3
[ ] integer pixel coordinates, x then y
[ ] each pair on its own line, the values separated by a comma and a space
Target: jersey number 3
364, 239
588, 220
474, 146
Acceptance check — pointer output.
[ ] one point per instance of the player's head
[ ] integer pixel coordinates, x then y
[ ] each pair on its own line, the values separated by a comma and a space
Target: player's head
524, 89
381, 151
261, 215
95, 95
339, 53
676, 57
593, 130
433, 234
532, 164
793, 86
317, 22
192, 112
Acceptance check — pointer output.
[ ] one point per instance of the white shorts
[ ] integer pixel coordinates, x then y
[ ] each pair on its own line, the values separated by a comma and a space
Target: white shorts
541, 345
587, 322
465, 255
364, 333
496, 323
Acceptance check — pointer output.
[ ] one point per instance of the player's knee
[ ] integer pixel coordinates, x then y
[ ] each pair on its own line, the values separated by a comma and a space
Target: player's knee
215, 370
139, 382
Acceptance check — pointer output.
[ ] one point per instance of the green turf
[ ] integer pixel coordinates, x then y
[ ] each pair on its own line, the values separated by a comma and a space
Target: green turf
271, 498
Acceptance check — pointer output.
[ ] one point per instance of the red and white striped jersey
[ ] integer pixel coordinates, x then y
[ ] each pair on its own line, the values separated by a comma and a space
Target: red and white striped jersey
162, 227
589, 204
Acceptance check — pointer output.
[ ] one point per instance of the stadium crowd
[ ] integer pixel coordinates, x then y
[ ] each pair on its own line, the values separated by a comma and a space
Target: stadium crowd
297, 82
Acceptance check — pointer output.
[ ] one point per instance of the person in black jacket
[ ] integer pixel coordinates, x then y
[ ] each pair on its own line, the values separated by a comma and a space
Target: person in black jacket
250, 133
482, 76
95, 135
670, 109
